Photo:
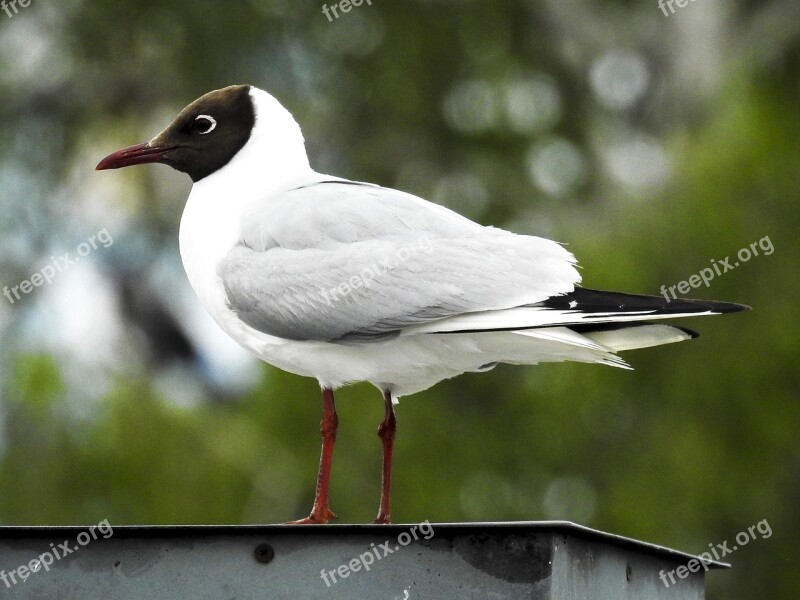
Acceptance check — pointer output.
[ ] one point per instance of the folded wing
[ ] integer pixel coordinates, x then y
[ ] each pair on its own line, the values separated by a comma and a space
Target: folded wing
356, 262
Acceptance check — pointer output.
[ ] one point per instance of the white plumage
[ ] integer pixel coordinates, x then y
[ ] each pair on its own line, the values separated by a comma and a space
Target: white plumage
347, 282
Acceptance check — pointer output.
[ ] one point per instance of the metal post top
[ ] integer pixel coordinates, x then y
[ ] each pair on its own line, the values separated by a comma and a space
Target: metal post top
566, 528
532, 560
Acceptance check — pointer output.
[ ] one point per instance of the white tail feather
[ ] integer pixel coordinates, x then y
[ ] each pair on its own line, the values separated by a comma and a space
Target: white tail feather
641, 336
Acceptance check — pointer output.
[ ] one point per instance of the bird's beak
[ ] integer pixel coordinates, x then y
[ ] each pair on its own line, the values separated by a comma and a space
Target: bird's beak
135, 155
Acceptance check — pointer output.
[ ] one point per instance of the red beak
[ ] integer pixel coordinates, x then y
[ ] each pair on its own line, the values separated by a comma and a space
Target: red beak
135, 155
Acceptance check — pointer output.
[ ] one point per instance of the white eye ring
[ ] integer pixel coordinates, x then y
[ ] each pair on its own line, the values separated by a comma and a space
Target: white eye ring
211, 120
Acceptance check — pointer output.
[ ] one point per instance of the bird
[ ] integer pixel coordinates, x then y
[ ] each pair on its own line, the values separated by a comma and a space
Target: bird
347, 282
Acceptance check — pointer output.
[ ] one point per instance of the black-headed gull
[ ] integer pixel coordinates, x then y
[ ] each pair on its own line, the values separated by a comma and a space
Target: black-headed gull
346, 281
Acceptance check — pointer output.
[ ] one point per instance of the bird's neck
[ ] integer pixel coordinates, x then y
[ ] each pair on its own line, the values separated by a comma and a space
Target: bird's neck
267, 164
212, 219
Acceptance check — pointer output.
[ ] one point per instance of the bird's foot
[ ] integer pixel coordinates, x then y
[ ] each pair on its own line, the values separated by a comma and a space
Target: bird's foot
383, 520
315, 518
309, 521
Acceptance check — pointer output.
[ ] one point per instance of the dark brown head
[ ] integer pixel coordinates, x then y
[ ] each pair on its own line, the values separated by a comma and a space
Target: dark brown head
202, 139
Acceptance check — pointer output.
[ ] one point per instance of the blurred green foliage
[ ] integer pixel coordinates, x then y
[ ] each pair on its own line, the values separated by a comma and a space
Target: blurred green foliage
695, 445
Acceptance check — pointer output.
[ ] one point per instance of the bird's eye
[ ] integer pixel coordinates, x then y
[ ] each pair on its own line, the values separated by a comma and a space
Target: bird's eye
204, 124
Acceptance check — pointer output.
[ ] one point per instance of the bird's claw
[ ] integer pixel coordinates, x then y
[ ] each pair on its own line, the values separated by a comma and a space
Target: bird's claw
315, 519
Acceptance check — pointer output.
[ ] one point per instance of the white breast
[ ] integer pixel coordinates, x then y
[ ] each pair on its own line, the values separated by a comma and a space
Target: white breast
207, 233
210, 226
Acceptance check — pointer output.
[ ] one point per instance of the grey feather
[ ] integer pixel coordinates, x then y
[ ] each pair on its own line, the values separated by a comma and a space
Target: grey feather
358, 263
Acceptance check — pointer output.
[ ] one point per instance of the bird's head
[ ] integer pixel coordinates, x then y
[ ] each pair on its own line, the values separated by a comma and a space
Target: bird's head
215, 128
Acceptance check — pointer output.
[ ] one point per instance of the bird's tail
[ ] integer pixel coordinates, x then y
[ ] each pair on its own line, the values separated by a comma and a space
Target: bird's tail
585, 310
619, 337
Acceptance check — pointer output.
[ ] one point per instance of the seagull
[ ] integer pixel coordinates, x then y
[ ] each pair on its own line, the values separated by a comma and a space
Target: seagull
346, 281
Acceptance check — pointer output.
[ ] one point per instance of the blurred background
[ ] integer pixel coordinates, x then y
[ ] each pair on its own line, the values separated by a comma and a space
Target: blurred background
652, 143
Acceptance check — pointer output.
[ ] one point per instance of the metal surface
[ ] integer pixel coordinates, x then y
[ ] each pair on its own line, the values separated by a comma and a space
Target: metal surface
532, 560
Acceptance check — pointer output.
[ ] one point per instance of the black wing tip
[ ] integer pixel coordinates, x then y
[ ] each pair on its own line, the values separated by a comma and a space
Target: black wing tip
588, 300
725, 307
715, 306
690, 305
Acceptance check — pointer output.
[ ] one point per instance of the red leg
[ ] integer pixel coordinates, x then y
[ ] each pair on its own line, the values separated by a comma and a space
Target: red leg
321, 512
386, 431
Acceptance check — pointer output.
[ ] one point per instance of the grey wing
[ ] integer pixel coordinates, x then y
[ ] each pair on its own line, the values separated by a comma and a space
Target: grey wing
391, 262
